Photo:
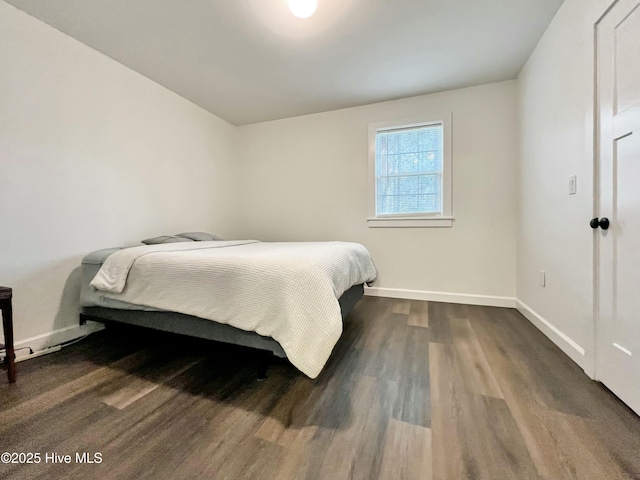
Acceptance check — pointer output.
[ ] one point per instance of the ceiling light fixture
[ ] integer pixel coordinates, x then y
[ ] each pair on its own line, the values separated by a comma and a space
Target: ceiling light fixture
303, 8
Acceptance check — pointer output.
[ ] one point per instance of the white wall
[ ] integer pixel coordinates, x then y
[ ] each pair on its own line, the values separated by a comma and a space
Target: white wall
556, 129
93, 155
305, 178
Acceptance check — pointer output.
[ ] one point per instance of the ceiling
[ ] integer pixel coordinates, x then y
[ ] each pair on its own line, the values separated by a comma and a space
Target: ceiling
251, 60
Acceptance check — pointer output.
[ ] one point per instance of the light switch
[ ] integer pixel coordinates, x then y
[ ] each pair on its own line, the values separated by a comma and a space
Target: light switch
543, 278
573, 184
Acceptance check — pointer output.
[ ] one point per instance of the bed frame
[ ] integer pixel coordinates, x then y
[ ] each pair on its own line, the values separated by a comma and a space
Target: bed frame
206, 329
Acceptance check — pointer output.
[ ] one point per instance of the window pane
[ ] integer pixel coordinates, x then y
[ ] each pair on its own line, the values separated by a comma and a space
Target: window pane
409, 170
387, 204
392, 143
429, 184
408, 141
429, 203
408, 185
430, 162
381, 146
388, 186
430, 138
409, 163
393, 162
381, 165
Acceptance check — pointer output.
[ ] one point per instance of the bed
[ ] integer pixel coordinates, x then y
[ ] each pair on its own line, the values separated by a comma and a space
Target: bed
287, 299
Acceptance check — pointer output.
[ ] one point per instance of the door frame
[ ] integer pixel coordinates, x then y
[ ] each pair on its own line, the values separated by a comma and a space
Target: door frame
593, 369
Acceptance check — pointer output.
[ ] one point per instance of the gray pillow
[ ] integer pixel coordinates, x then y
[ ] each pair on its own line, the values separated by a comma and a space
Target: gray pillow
199, 236
165, 239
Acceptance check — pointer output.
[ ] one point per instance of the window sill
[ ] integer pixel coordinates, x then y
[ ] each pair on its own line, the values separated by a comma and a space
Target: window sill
410, 222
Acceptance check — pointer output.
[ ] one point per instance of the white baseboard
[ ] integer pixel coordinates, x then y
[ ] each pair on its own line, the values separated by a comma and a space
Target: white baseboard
562, 340
62, 335
447, 297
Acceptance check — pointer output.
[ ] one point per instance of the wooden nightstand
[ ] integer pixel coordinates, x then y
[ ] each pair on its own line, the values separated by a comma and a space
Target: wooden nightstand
7, 324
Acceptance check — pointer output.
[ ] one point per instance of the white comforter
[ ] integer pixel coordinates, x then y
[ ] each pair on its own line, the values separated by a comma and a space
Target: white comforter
288, 291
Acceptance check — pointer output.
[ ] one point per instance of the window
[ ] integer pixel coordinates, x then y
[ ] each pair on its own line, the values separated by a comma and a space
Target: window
410, 174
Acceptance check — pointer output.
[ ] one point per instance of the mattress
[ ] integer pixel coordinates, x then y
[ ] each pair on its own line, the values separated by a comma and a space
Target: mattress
287, 291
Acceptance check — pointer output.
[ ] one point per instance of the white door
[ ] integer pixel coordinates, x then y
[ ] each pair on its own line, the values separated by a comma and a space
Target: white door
618, 248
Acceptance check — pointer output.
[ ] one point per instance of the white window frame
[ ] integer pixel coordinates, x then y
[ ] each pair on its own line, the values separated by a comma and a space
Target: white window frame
403, 220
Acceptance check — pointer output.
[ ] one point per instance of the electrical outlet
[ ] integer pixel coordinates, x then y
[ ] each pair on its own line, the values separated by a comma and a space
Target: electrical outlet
543, 278
573, 184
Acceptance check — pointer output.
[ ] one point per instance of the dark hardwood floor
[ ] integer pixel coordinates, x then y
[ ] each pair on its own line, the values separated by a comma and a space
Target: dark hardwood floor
412, 391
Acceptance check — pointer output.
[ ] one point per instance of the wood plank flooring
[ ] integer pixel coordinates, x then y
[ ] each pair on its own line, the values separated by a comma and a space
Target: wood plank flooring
412, 391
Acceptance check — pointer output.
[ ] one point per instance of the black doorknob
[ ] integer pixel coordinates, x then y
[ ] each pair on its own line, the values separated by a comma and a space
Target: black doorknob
603, 223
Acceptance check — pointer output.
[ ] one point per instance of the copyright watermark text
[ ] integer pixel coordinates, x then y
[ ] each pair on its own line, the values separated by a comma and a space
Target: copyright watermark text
24, 458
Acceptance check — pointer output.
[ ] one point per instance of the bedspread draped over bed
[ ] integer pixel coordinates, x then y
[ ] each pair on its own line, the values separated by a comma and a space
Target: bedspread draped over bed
287, 291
